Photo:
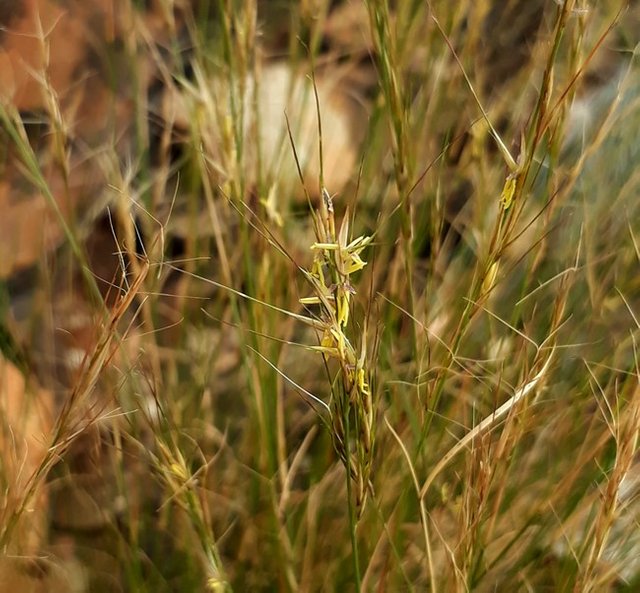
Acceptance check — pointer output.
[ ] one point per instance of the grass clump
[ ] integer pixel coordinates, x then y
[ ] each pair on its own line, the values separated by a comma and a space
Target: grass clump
223, 378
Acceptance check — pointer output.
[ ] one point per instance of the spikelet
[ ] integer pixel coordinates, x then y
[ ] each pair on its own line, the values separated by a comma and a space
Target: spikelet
336, 258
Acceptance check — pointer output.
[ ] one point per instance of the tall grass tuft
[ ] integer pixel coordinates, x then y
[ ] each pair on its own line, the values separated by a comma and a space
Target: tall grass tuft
319, 296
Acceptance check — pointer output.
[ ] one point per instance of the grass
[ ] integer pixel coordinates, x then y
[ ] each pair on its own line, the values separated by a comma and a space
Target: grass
348, 303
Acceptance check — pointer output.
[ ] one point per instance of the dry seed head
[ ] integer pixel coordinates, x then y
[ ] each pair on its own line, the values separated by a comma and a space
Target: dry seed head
490, 277
337, 258
508, 191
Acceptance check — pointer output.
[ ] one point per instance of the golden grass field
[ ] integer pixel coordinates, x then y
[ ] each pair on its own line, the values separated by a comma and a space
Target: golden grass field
319, 296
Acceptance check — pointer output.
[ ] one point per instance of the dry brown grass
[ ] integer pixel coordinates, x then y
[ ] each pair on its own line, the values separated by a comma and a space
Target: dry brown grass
204, 387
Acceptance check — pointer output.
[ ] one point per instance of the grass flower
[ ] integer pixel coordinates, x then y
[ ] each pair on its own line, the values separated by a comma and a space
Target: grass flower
336, 259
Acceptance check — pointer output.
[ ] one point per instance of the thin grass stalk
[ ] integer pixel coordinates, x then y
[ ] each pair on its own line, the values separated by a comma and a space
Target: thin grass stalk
172, 468
353, 523
395, 103
513, 192
71, 421
625, 426
12, 123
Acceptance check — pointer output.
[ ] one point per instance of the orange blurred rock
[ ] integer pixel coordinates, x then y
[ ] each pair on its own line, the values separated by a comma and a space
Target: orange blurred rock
43, 53
24, 229
31, 45
40, 575
25, 431
29, 225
